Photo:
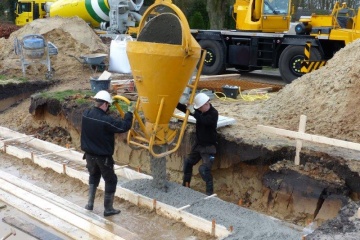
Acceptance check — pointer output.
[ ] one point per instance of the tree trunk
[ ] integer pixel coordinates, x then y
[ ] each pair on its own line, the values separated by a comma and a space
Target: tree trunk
216, 10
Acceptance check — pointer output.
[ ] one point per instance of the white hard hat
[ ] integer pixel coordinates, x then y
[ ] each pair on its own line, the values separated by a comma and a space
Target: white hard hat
103, 95
200, 100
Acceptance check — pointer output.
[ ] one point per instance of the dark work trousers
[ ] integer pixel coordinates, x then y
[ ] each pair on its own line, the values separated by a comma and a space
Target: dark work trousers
101, 166
207, 154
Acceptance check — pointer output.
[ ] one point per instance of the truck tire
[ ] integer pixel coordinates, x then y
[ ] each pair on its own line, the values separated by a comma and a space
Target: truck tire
214, 63
290, 61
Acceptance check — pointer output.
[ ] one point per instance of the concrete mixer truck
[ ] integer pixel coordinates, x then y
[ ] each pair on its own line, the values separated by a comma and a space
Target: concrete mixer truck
112, 16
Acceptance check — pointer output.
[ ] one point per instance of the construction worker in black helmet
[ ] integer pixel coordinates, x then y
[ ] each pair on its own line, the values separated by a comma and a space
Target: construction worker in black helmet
97, 141
205, 144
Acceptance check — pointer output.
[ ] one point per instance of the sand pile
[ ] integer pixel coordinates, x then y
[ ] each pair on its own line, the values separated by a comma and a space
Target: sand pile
72, 36
329, 97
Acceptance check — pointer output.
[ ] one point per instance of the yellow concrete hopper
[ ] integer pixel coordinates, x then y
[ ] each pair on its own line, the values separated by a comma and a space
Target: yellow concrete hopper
162, 61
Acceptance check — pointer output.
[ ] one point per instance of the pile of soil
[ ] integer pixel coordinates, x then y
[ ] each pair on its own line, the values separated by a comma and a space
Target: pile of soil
329, 97
6, 29
72, 36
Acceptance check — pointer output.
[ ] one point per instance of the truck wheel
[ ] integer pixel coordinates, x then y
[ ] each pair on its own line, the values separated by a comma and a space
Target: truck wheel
215, 58
290, 61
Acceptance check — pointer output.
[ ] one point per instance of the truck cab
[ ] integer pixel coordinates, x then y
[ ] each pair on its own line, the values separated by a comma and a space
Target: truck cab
29, 10
262, 15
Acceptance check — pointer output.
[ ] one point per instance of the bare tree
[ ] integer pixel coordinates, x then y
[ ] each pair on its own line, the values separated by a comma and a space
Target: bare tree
216, 10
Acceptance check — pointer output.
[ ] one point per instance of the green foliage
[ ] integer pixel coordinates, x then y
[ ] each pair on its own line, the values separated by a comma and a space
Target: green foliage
199, 7
196, 21
9, 7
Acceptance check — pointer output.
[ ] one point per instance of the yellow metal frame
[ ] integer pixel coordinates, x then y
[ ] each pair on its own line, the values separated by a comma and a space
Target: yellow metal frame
117, 105
143, 136
155, 133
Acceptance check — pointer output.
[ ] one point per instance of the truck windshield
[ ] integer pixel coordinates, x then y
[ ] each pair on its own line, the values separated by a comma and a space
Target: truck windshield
24, 7
276, 7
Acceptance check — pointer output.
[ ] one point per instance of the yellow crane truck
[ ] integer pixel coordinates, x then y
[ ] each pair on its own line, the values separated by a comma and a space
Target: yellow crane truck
262, 38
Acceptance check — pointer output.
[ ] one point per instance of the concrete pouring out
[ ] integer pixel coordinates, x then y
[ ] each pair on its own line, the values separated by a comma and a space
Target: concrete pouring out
252, 167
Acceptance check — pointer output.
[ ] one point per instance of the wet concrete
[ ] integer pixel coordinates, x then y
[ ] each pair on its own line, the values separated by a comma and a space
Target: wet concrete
241, 220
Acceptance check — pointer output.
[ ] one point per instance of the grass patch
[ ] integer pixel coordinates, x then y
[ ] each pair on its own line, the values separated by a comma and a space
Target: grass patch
63, 95
6, 79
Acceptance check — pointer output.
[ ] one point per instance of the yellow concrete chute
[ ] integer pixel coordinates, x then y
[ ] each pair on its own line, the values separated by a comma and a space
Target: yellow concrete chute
162, 61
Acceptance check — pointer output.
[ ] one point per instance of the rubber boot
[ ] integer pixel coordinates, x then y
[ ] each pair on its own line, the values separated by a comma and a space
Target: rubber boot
108, 204
186, 184
209, 188
92, 192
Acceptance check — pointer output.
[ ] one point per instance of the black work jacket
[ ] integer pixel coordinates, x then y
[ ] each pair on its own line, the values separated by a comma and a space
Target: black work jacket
98, 129
206, 124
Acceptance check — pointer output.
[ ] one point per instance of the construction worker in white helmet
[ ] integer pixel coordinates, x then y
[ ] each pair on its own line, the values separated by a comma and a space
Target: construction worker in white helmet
206, 140
97, 141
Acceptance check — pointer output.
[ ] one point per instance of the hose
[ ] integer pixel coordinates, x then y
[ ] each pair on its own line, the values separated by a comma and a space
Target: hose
251, 96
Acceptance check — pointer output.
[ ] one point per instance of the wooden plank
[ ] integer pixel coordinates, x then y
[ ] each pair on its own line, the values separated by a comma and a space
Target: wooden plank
43, 216
310, 137
302, 126
68, 206
258, 90
57, 211
30, 228
218, 77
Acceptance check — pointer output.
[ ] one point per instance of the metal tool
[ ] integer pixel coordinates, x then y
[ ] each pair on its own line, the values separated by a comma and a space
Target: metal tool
94, 61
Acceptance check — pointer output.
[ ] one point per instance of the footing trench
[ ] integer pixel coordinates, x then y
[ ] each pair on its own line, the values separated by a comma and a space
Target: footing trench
207, 214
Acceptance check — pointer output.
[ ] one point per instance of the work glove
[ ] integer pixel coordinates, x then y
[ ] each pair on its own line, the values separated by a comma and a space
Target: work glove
131, 107
183, 99
191, 109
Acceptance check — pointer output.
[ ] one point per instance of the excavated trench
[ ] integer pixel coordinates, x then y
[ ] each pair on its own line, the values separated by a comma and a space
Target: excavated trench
251, 175
14, 91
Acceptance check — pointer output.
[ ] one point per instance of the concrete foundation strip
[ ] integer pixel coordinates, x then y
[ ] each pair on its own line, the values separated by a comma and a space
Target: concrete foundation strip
189, 205
168, 211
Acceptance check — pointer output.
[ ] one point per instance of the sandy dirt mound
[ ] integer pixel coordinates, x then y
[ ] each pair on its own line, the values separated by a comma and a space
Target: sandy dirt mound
72, 36
329, 97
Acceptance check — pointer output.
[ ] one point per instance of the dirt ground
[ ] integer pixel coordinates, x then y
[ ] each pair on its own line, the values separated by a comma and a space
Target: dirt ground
328, 97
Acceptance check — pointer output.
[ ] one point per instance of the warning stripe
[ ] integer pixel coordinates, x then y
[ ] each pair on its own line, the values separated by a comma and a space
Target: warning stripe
98, 10
307, 52
307, 65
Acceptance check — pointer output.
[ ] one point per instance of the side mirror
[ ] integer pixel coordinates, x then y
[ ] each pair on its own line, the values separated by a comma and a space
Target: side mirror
231, 10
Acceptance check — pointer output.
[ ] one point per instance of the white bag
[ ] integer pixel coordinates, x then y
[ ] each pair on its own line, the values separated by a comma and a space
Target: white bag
119, 61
